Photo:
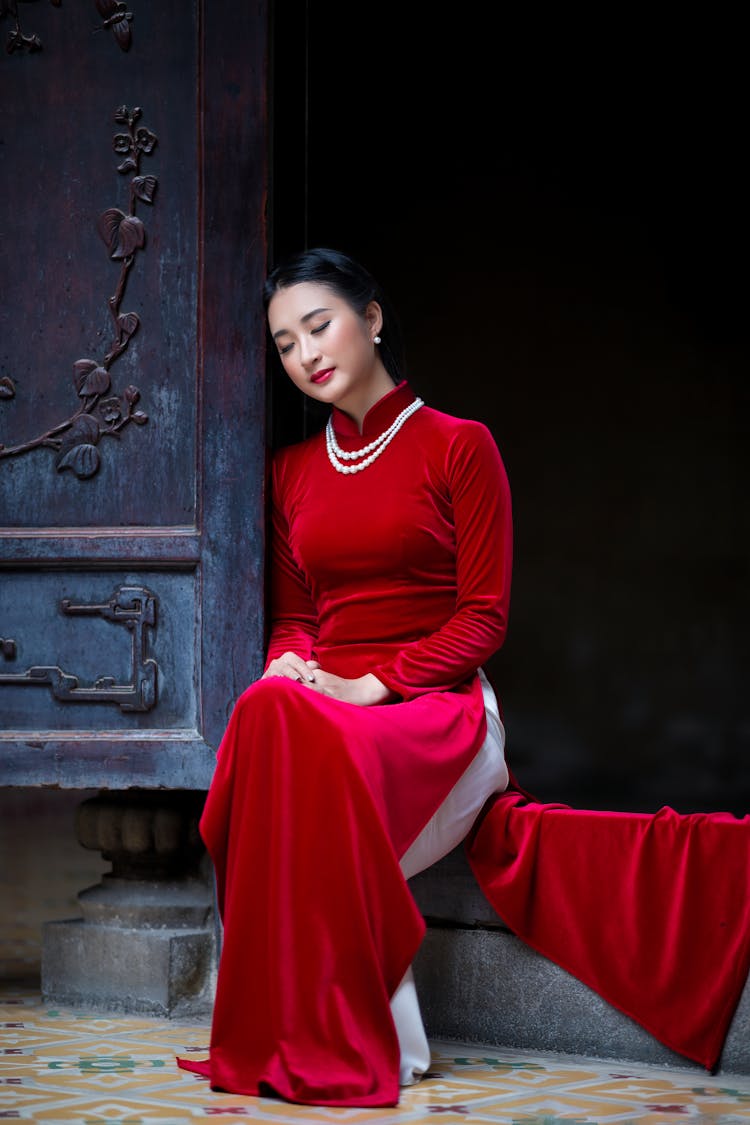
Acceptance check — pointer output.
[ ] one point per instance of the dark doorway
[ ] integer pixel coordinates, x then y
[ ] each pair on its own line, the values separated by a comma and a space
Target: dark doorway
554, 207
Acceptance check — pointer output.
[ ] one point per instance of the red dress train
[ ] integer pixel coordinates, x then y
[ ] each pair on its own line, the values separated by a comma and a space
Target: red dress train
652, 911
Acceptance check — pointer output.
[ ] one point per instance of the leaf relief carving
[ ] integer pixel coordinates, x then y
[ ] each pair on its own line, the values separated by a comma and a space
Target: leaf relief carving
75, 439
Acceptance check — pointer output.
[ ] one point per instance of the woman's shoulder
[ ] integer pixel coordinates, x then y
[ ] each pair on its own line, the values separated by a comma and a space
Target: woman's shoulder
289, 461
297, 451
460, 449
455, 430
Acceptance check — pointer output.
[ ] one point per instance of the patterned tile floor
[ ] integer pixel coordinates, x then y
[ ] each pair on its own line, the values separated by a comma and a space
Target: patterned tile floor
59, 1064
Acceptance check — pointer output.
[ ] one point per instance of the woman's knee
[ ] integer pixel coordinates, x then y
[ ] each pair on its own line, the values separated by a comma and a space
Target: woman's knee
278, 706
265, 692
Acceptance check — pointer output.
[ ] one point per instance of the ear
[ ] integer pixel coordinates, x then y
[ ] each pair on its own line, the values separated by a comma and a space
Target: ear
374, 318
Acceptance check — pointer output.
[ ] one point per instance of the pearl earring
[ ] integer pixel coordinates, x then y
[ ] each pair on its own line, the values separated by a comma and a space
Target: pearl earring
376, 340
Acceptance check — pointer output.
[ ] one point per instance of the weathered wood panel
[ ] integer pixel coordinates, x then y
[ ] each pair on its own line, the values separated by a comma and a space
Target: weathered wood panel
132, 405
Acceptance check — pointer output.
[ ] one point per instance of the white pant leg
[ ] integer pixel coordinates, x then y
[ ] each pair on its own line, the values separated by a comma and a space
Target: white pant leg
412, 1040
487, 774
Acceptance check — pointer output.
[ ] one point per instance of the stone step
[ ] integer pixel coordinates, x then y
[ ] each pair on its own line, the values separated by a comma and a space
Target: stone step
479, 983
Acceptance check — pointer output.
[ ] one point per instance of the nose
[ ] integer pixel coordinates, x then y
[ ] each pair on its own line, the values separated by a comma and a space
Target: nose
309, 351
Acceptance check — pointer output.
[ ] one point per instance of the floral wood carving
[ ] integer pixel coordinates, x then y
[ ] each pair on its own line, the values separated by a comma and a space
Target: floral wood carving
103, 412
17, 40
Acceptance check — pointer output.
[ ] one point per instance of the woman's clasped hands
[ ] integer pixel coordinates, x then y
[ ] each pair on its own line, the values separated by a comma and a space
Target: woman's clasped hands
364, 691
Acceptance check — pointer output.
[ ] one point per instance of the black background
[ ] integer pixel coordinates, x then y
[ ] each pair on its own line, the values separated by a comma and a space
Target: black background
555, 206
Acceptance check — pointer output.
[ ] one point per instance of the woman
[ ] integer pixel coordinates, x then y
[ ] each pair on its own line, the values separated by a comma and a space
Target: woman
373, 738
371, 742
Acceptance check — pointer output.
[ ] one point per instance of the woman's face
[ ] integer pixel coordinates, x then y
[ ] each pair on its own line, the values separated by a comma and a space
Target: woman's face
327, 348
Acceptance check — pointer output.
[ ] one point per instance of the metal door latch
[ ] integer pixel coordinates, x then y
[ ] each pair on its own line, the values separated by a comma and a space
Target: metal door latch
131, 606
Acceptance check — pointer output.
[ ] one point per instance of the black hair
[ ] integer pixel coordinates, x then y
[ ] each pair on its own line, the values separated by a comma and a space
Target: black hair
352, 283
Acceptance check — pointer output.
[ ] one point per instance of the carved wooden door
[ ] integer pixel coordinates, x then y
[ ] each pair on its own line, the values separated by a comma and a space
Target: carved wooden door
132, 251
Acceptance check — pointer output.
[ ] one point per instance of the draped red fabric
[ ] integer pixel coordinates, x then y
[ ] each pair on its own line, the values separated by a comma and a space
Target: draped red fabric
652, 911
319, 923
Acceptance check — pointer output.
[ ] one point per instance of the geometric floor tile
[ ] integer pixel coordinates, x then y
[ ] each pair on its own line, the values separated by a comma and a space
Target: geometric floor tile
63, 1065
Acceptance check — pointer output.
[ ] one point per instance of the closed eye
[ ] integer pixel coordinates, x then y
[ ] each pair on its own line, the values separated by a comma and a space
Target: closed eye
313, 332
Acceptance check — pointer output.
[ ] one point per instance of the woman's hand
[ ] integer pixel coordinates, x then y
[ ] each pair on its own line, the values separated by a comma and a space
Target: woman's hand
366, 691
291, 666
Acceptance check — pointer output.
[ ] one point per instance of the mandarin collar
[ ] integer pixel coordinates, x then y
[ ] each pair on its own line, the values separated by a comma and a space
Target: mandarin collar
378, 417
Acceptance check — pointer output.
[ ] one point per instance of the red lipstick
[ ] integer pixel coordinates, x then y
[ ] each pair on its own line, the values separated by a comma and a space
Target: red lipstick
322, 375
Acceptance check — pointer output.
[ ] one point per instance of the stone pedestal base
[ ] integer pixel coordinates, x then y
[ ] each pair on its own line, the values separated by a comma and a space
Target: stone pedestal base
146, 941
157, 972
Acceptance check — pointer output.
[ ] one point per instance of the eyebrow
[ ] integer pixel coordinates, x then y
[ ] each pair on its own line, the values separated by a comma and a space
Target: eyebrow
303, 320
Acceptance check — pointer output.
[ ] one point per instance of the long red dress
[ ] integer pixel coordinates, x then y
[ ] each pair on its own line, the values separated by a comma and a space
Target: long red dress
403, 570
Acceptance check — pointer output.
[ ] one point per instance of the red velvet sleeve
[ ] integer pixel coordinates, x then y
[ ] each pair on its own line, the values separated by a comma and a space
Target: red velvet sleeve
481, 501
294, 623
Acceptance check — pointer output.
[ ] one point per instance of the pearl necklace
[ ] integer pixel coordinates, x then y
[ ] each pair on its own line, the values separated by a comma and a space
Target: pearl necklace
337, 456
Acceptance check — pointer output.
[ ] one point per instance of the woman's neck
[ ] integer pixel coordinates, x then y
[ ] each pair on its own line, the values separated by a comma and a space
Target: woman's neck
358, 405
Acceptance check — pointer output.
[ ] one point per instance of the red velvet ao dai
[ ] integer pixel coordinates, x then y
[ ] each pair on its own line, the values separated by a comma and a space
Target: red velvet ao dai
402, 570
